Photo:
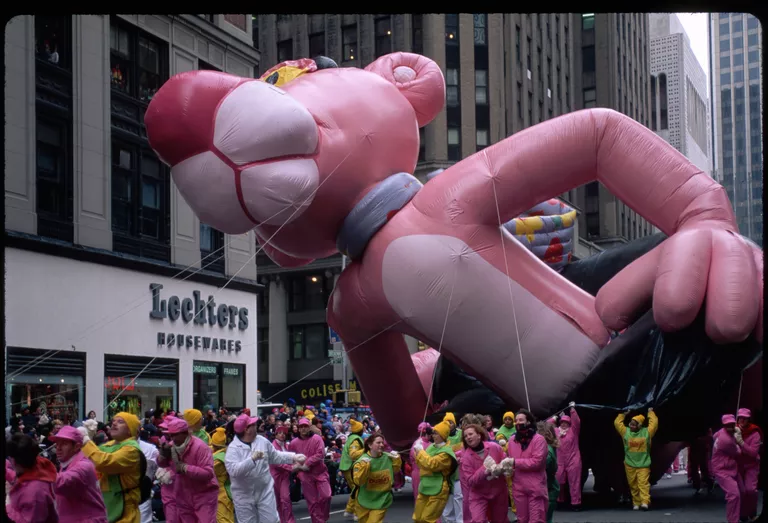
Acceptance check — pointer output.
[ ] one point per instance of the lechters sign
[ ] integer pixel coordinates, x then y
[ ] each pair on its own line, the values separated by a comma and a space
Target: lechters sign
197, 311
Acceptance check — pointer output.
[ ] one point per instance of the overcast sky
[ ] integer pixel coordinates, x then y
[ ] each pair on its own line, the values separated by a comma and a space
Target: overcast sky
695, 25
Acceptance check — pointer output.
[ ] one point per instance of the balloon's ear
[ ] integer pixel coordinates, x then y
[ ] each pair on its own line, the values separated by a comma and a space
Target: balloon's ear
418, 78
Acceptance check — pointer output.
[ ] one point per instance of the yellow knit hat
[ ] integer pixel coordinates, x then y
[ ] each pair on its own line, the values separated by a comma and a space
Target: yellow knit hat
443, 429
132, 421
450, 417
355, 426
639, 419
219, 438
509, 414
193, 416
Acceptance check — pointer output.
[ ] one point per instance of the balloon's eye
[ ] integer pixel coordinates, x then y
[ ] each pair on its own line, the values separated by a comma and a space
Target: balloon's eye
272, 79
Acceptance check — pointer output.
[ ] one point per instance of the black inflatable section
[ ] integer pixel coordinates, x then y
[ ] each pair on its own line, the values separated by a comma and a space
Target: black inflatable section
684, 376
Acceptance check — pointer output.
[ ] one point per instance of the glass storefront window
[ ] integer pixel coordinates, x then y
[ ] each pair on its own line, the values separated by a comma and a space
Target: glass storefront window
59, 397
138, 395
218, 385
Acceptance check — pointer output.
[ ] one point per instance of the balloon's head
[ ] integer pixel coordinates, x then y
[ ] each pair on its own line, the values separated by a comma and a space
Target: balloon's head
290, 154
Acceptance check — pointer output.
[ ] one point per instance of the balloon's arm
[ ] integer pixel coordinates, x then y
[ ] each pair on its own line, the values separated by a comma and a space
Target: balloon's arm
639, 167
280, 258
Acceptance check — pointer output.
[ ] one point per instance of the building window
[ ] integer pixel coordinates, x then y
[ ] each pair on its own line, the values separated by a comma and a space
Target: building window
53, 40
317, 44
592, 209
519, 100
349, 41
663, 121
452, 28
566, 44
383, 29
725, 45
737, 26
725, 62
653, 104
590, 98
588, 59
54, 176
205, 66
156, 388
262, 347
454, 144
480, 26
518, 53
530, 108
725, 78
452, 87
528, 57
417, 33
422, 145
309, 342
753, 57
752, 22
218, 385
211, 248
255, 26
588, 21
481, 87
138, 64
752, 40
284, 50
754, 73
309, 292
481, 138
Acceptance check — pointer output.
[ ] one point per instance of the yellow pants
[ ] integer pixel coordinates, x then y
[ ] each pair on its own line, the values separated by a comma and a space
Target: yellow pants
366, 515
511, 499
352, 505
639, 485
428, 509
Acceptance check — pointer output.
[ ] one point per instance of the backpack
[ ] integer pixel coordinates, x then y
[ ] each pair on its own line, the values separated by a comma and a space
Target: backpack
145, 483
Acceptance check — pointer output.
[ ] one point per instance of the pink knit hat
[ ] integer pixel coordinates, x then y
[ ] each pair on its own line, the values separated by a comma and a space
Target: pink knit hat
177, 426
244, 421
744, 413
565, 418
166, 421
67, 433
304, 421
728, 419
424, 426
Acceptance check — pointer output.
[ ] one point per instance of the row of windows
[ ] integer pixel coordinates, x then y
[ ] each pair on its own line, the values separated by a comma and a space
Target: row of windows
140, 183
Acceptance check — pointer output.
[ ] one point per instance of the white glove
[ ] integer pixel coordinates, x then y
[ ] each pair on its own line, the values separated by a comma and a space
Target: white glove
91, 425
418, 446
299, 459
303, 468
497, 471
738, 436
394, 454
489, 464
572, 404
7, 493
181, 467
502, 442
84, 432
508, 466
164, 476
257, 455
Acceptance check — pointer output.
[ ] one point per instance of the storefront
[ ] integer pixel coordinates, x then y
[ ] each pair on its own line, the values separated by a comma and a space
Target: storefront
82, 336
307, 392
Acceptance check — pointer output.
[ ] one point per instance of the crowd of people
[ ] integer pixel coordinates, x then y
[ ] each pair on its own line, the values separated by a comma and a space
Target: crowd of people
226, 467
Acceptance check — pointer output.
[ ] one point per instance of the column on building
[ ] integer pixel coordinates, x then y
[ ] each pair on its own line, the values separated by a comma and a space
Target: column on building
278, 333
91, 138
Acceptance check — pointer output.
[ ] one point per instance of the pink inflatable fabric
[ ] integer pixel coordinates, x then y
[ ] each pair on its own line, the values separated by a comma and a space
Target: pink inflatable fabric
291, 162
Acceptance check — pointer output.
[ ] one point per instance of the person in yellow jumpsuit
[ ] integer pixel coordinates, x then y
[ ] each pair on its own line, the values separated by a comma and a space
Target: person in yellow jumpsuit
506, 431
118, 467
437, 468
374, 474
194, 419
637, 455
225, 512
352, 450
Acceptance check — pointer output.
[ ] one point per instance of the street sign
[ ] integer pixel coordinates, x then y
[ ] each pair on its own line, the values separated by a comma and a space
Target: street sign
337, 356
333, 336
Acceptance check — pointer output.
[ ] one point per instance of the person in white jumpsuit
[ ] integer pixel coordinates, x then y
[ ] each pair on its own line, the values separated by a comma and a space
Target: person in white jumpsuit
248, 459
151, 453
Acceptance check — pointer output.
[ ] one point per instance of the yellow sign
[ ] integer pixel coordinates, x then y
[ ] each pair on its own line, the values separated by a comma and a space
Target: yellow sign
325, 390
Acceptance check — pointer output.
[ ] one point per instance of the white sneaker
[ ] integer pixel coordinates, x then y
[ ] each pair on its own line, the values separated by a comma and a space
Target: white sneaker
636, 507
348, 514
668, 476
644, 506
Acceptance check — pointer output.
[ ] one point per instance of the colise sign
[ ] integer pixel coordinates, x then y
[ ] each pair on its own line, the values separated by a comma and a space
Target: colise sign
197, 311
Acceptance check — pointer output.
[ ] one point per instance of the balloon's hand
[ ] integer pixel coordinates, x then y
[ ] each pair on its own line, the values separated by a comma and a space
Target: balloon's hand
701, 259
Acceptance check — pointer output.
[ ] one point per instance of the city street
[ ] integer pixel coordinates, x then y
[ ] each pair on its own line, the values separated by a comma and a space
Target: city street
673, 500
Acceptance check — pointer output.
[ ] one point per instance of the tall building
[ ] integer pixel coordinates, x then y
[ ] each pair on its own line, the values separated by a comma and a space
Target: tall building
504, 73
615, 73
735, 49
679, 100
106, 264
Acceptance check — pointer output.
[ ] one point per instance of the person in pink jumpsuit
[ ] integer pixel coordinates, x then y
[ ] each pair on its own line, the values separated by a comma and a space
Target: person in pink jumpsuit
167, 494
569, 457
479, 470
31, 497
528, 452
313, 475
750, 439
78, 496
725, 455
282, 476
196, 486
425, 429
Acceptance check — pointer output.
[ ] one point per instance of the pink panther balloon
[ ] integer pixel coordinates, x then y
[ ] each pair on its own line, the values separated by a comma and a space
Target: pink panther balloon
324, 163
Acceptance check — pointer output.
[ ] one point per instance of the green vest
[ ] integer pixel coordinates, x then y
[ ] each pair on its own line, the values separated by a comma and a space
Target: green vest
221, 456
637, 448
381, 473
114, 498
507, 432
346, 461
553, 487
432, 484
203, 435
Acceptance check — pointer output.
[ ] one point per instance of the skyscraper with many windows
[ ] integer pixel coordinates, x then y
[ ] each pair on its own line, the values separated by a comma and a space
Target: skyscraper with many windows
735, 49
